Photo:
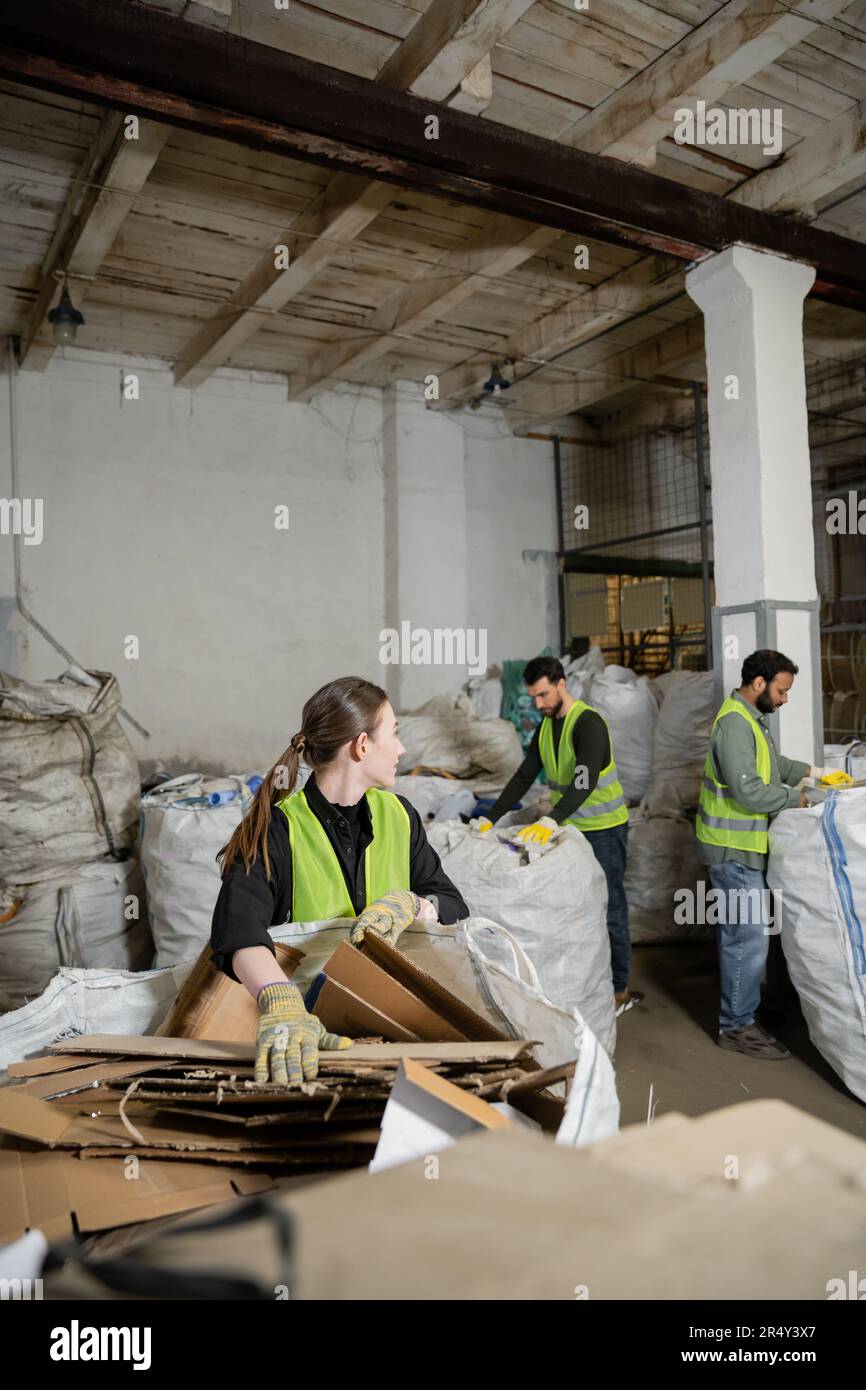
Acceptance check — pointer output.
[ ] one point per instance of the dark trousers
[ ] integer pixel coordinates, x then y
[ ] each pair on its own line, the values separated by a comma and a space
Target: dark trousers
610, 849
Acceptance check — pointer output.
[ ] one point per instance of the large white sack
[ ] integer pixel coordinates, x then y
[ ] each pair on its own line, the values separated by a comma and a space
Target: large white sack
554, 903
662, 859
580, 671
817, 863
428, 794
627, 704
90, 1001
69, 783
485, 694
181, 834
685, 720
97, 918
445, 734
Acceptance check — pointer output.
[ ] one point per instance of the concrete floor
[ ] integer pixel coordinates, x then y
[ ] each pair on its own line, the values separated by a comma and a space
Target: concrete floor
667, 1042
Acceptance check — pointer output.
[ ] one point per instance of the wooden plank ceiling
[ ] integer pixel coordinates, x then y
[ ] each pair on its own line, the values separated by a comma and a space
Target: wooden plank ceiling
169, 243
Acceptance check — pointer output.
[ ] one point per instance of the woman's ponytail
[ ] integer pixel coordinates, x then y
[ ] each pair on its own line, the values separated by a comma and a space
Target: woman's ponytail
252, 833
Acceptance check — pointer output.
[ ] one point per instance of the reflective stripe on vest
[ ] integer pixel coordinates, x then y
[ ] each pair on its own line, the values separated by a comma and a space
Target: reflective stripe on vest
319, 889
721, 820
605, 806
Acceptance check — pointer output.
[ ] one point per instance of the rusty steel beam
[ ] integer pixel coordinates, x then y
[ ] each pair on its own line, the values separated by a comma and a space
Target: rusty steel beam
220, 84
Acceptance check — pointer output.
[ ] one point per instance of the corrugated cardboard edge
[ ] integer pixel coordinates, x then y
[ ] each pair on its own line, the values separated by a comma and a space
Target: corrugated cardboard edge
199, 1049
472, 1106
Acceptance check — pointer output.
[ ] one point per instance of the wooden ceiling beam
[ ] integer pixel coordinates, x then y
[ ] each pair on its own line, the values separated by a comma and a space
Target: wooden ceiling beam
441, 50
741, 38
114, 171
223, 85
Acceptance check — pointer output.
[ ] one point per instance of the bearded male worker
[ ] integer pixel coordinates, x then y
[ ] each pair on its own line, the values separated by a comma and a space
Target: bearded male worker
573, 746
746, 782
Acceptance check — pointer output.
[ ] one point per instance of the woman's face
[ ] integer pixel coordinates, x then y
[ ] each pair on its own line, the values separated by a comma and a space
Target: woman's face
382, 750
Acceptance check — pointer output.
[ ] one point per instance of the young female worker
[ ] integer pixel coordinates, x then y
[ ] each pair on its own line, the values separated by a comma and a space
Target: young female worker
342, 846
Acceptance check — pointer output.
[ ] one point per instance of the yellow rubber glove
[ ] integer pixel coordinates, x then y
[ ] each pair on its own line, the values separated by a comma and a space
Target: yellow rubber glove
388, 916
538, 833
289, 1039
836, 779
481, 824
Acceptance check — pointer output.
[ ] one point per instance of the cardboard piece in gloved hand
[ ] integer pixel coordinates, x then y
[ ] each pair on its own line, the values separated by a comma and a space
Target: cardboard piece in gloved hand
376, 988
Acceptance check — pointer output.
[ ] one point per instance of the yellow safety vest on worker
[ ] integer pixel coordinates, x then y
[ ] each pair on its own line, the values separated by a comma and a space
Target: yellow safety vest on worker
319, 889
721, 820
605, 806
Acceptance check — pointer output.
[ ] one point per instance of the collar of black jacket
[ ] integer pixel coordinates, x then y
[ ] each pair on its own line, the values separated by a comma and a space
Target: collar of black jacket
327, 813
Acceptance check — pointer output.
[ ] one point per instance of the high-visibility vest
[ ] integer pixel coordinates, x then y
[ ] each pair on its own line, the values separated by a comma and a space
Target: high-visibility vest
318, 887
721, 820
605, 806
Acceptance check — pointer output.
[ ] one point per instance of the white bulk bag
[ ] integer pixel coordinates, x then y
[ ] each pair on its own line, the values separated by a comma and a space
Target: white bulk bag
662, 859
580, 671
69, 783
97, 918
495, 748
817, 864
627, 704
90, 1001
181, 834
682, 737
445, 734
428, 794
554, 903
485, 693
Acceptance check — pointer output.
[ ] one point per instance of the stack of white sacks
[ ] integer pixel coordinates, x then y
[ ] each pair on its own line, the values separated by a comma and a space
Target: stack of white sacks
660, 731
662, 849
448, 733
70, 887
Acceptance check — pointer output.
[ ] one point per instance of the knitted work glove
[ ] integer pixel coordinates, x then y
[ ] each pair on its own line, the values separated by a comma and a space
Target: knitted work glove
387, 916
481, 824
289, 1039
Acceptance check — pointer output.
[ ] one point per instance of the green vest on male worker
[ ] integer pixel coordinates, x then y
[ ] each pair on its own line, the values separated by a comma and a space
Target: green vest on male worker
721, 820
319, 889
605, 806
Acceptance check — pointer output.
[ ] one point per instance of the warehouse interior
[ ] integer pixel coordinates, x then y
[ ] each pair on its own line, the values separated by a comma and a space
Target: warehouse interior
501, 329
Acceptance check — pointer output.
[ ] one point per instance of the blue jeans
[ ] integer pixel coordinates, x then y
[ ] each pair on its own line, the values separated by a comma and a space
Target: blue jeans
742, 941
609, 847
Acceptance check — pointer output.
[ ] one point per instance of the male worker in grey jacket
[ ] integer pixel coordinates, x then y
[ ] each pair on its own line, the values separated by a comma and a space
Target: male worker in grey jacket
746, 781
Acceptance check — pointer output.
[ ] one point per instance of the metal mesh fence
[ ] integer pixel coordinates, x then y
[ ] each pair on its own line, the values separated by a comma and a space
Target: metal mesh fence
630, 515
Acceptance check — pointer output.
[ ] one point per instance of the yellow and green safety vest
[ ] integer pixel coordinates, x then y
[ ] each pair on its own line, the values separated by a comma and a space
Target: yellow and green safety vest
319, 889
605, 806
721, 820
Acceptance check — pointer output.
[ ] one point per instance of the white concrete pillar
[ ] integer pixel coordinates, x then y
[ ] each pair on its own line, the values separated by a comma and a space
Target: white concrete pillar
752, 304
426, 571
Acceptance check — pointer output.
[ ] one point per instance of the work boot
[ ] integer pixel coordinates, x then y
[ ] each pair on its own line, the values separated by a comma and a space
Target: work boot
625, 999
754, 1041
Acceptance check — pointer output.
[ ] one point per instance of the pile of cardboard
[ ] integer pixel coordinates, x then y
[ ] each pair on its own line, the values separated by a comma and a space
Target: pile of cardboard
110, 1129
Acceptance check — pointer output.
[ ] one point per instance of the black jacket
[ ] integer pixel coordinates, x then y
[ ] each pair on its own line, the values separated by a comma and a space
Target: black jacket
248, 904
591, 751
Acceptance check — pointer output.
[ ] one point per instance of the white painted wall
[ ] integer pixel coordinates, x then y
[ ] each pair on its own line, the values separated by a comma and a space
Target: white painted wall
511, 552
159, 522
465, 502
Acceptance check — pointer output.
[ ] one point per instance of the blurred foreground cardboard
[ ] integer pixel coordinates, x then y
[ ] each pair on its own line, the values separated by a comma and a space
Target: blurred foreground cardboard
649, 1214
